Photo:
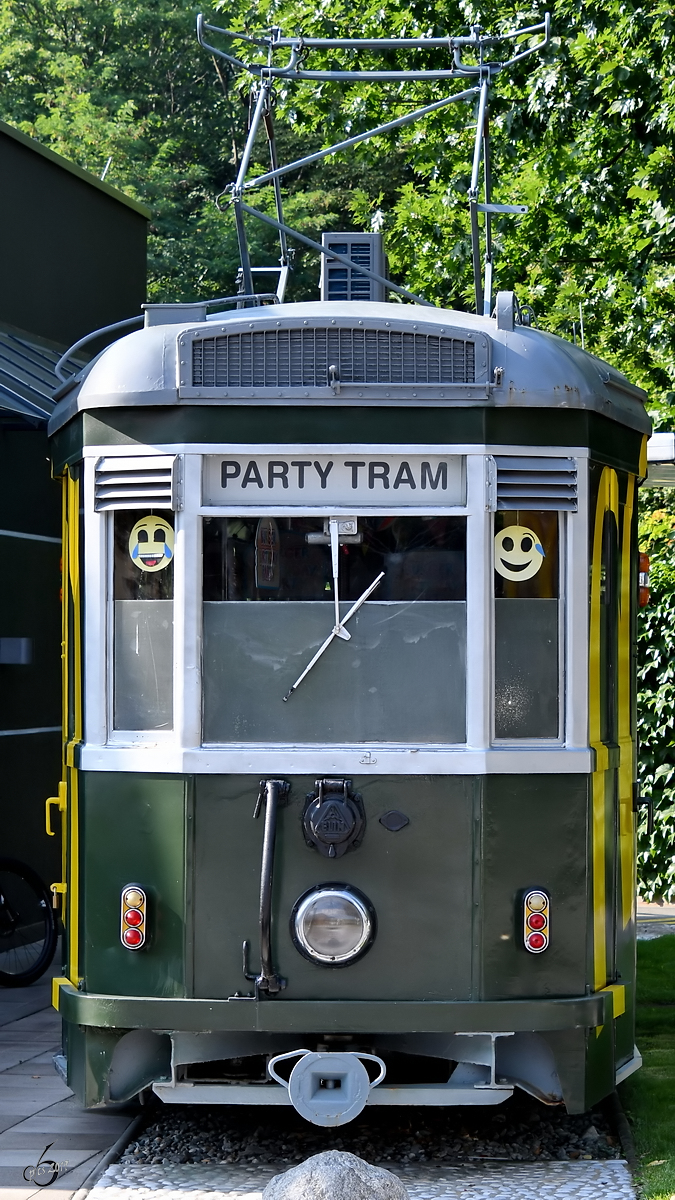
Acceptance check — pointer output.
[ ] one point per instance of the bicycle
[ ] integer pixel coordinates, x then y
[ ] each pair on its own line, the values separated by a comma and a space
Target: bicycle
28, 933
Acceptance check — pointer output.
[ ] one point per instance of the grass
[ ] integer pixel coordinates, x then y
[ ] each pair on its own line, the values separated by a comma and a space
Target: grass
649, 1096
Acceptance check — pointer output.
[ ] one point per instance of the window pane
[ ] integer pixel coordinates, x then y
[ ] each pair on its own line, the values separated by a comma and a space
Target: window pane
143, 622
526, 625
267, 558
400, 677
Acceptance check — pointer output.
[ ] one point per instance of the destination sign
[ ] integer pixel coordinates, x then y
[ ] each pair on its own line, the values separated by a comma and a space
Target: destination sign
340, 481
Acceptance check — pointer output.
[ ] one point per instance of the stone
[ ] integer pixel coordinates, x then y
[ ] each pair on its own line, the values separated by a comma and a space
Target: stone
335, 1175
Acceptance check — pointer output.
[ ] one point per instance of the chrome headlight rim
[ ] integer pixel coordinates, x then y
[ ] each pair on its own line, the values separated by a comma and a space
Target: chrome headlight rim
354, 897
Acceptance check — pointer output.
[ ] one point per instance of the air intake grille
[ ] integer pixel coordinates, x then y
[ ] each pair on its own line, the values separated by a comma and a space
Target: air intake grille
541, 483
137, 483
302, 357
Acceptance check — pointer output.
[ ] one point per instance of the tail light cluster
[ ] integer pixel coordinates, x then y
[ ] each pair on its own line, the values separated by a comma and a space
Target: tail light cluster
643, 580
536, 920
134, 916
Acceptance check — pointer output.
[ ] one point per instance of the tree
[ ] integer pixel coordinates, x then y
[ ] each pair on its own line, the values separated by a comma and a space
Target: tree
583, 135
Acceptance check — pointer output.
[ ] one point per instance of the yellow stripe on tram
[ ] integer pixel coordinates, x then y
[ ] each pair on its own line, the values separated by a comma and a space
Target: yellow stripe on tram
625, 738
608, 501
73, 531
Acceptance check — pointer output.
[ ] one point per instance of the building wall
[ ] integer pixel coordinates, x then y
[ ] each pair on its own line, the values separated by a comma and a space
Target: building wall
73, 253
73, 260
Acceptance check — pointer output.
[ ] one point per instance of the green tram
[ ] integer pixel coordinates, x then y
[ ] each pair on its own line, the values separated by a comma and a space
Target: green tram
349, 621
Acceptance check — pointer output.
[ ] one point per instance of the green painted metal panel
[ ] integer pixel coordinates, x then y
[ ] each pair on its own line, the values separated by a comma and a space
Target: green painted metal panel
535, 834
418, 879
133, 831
327, 1016
610, 443
89, 1052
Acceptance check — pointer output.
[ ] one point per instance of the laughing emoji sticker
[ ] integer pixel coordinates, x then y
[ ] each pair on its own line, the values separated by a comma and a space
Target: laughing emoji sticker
151, 544
518, 553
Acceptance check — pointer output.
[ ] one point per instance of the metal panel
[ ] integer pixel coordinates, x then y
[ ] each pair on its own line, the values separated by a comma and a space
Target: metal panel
543, 483
305, 357
133, 831
534, 837
27, 377
418, 879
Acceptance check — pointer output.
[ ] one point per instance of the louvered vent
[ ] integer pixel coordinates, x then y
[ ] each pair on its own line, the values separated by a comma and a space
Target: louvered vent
340, 281
302, 357
540, 483
152, 482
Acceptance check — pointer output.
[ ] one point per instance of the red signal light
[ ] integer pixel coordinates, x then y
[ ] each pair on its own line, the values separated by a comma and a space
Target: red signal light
643, 580
536, 941
133, 916
536, 920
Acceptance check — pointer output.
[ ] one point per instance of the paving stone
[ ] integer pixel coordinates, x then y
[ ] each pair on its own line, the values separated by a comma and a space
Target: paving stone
608, 1180
36, 1107
32, 1081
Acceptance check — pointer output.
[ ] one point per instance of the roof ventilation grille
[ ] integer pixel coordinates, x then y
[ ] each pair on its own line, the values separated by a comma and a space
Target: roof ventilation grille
303, 358
536, 483
152, 482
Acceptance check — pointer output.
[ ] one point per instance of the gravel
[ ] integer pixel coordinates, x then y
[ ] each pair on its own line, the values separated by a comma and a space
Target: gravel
520, 1130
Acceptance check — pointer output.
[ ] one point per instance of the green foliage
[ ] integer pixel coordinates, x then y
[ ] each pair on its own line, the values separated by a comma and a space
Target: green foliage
656, 970
648, 1096
656, 698
582, 134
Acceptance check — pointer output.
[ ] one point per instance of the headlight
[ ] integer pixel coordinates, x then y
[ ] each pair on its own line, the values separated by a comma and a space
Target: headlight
333, 924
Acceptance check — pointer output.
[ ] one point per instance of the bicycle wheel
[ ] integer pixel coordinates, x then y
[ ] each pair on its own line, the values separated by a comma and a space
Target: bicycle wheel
27, 925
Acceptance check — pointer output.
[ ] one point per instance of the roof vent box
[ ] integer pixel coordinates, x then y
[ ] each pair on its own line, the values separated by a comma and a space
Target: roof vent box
340, 282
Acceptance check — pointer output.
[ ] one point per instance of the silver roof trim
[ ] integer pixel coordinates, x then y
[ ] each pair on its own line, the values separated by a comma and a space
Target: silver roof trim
529, 368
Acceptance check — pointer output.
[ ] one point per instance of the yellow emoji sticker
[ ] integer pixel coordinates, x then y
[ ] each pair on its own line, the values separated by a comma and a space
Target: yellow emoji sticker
518, 553
151, 544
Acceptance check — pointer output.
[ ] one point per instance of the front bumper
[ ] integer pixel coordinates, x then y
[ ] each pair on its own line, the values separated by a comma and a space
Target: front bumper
331, 1016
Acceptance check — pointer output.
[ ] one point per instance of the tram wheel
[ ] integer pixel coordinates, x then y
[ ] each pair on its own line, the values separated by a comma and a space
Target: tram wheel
28, 932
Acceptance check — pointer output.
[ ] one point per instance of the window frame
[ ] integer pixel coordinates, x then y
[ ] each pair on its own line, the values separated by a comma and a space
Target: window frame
181, 749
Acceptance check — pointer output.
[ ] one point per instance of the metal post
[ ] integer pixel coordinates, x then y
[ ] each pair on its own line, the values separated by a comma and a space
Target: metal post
407, 119
246, 276
487, 290
473, 197
283, 245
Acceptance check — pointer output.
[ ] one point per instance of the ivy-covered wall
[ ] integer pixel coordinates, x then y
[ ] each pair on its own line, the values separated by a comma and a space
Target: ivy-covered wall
656, 698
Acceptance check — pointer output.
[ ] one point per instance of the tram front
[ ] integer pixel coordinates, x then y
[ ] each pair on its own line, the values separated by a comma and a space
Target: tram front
349, 756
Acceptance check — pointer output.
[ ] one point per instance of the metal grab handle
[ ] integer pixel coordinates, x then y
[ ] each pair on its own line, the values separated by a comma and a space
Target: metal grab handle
271, 792
281, 1058
372, 1058
60, 802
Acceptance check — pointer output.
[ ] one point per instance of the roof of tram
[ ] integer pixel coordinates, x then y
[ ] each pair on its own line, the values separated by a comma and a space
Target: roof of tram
345, 353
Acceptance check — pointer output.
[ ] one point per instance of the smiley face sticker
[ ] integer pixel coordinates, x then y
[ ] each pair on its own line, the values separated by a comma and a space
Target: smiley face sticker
151, 544
518, 553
